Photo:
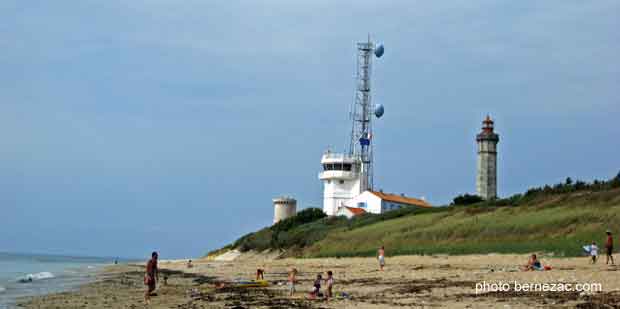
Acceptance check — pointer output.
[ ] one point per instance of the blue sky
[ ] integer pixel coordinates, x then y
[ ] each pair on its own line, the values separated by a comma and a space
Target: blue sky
132, 126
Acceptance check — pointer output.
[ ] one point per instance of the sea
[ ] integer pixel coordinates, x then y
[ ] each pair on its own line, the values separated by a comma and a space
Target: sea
36, 274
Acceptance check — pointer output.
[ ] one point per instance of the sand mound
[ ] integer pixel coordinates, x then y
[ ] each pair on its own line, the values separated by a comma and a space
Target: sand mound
228, 256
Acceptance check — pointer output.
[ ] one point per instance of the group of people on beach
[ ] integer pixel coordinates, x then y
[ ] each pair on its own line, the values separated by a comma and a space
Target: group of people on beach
592, 250
328, 281
292, 281
151, 277
315, 292
609, 250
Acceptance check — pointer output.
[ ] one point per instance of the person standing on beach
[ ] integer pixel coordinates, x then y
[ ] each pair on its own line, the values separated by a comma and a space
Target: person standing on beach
329, 284
609, 246
151, 277
593, 252
381, 257
291, 281
260, 274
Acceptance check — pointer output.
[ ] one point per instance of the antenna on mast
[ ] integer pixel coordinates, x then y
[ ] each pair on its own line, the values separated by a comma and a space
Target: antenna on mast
360, 144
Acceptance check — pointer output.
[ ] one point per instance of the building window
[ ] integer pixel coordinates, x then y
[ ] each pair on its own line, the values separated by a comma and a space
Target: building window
337, 167
361, 205
341, 182
329, 181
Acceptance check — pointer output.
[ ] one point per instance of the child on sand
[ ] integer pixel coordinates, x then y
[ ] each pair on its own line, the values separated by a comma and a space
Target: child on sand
381, 257
329, 283
316, 288
291, 281
593, 252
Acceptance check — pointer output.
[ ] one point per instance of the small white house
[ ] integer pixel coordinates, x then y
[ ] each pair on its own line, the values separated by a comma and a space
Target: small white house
378, 202
350, 212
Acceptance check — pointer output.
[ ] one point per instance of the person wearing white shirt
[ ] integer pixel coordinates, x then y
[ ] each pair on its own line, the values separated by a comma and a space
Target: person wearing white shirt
593, 251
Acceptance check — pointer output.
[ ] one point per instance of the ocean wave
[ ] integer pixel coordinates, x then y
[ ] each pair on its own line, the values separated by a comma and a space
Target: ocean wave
36, 276
2, 289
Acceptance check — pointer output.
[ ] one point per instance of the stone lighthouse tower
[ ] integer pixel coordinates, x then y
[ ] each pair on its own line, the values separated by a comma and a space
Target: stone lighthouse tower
486, 180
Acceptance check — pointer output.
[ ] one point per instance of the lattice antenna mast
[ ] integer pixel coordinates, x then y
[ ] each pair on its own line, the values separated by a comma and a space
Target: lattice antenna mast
361, 113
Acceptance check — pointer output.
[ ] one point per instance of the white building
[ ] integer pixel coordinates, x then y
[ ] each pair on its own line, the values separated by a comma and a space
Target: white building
350, 212
342, 187
379, 202
341, 180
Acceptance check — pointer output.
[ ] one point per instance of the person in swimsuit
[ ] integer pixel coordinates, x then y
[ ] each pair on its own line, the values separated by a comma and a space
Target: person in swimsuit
260, 274
609, 247
533, 264
381, 257
291, 281
329, 284
151, 277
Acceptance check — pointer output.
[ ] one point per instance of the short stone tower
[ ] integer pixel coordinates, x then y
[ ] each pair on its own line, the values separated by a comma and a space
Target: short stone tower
486, 180
284, 207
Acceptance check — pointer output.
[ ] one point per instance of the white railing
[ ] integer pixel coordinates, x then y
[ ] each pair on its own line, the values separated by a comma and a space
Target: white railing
342, 156
338, 175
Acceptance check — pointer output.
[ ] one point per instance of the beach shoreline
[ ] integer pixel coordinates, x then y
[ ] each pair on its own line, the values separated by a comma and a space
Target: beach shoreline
409, 281
23, 275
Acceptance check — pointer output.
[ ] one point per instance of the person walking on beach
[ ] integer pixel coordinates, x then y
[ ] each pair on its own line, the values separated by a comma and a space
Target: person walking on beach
151, 277
609, 246
381, 257
291, 281
593, 251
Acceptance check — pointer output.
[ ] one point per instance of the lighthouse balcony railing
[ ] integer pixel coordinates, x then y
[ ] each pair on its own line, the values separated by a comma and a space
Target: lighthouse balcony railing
333, 156
334, 174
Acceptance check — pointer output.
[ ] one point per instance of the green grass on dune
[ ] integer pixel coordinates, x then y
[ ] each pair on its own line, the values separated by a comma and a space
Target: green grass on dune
559, 223
559, 219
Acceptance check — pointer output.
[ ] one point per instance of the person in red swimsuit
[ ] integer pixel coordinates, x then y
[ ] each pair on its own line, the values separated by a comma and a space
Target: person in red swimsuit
609, 245
151, 277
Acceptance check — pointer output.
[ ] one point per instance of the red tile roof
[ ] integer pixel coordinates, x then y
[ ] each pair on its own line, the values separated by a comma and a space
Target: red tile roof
401, 199
355, 210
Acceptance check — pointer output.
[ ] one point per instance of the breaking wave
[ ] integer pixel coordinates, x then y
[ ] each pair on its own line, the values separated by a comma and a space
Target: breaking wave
36, 276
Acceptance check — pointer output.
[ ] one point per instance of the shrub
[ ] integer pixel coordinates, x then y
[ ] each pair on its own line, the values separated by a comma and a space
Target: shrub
305, 216
467, 199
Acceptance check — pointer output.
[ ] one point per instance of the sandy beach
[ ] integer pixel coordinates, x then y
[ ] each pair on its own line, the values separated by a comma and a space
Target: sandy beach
408, 281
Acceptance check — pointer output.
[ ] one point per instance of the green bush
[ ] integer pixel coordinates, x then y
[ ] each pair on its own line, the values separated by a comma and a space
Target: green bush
280, 235
305, 216
466, 199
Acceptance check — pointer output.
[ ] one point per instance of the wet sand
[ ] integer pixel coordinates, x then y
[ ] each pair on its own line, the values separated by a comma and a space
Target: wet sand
408, 281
